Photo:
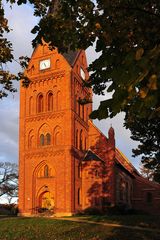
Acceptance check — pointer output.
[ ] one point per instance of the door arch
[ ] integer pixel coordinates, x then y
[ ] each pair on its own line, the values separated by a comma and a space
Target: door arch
46, 200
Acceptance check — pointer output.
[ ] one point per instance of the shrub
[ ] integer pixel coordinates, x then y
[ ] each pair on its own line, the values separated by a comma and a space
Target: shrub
92, 211
122, 209
9, 209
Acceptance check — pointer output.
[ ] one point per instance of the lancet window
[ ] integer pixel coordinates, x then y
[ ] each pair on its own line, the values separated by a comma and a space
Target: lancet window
50, 102
40, 102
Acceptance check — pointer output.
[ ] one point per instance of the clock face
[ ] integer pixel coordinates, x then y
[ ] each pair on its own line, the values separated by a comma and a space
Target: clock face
44, 64
83, 75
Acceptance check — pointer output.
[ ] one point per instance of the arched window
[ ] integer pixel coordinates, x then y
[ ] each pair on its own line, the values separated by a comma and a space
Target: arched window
85, 143
31, 140
83, 112
79, 196
82, 59
127, 192
121, 189
58, 100
96, 174
50, 102
75, 103
76, 143
41, 140
80, 141
79, 109
46, 171
86, 114
77, 69
149, 197
57, 64
31, 106
80, 170
57, 138
40, 103
48, 139
45, 49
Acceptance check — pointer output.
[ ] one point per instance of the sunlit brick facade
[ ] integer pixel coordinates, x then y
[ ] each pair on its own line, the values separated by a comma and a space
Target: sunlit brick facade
66, 164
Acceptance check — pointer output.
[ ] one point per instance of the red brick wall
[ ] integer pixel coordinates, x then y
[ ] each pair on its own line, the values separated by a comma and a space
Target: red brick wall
61, 123
71, 134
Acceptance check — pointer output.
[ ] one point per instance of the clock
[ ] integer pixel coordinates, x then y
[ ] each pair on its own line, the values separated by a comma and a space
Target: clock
44, 64
82, 73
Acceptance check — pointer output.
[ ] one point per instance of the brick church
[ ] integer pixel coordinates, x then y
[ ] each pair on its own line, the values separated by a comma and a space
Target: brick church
66, 163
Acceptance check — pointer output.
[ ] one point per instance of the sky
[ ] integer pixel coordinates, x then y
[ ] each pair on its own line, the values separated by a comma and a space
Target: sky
21, 20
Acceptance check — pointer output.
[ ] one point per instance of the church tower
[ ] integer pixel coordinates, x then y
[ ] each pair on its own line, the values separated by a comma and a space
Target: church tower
53, 132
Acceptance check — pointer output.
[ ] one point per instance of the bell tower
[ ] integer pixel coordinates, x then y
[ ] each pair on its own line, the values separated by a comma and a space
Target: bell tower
53, 132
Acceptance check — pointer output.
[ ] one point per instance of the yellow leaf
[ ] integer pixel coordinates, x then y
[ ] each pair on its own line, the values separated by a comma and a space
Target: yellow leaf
142, 76
98, 26
153, 82
130, 88
139, 53
143, 92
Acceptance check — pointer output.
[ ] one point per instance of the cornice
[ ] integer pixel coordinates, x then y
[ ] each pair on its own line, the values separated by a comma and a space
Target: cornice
43, 153
45, 116
48, 76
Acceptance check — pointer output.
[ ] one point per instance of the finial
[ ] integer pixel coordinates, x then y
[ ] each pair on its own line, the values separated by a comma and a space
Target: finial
111, 131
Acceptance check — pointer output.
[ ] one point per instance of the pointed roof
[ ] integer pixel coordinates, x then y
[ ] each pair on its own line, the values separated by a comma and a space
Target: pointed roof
111, 131
90, 155
123, 161
71, 56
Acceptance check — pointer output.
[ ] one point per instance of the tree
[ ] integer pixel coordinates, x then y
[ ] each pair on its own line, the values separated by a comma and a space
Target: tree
126, 33
8, 180
148, 134
146, 172
6, 77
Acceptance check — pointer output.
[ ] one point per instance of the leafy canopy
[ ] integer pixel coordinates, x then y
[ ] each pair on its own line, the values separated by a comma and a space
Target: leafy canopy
148, 134
126, 35
6, 50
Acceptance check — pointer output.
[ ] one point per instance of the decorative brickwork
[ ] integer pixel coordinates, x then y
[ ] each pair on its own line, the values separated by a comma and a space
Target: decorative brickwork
66, 164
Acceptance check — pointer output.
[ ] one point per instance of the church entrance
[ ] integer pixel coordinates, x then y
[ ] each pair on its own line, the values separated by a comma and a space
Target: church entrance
46, 201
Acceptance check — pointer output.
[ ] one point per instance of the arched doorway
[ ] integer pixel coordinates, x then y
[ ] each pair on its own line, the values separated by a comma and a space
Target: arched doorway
46, 201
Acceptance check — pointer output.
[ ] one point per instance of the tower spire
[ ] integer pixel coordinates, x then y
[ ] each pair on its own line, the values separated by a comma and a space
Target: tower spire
111, 136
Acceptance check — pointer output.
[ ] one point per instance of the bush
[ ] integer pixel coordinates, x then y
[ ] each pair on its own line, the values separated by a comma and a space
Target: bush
92, 211
9, 209
46, 211
116, 210
42, 210
122, 210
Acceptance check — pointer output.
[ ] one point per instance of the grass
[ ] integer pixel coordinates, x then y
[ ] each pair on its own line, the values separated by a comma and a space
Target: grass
50, 229
149, 221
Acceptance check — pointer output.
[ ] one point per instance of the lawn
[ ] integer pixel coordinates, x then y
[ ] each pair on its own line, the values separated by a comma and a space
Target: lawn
146, 221
50, 229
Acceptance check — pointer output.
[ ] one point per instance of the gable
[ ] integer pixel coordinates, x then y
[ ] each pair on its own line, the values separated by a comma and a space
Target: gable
53, 62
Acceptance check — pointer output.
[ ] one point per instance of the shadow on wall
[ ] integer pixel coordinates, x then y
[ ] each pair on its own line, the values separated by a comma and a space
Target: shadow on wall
97, 175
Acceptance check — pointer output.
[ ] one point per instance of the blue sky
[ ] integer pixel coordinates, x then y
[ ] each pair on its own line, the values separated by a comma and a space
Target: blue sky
21, 20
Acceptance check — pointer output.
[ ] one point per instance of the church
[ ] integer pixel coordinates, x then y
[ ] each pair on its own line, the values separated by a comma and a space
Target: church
66, 164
